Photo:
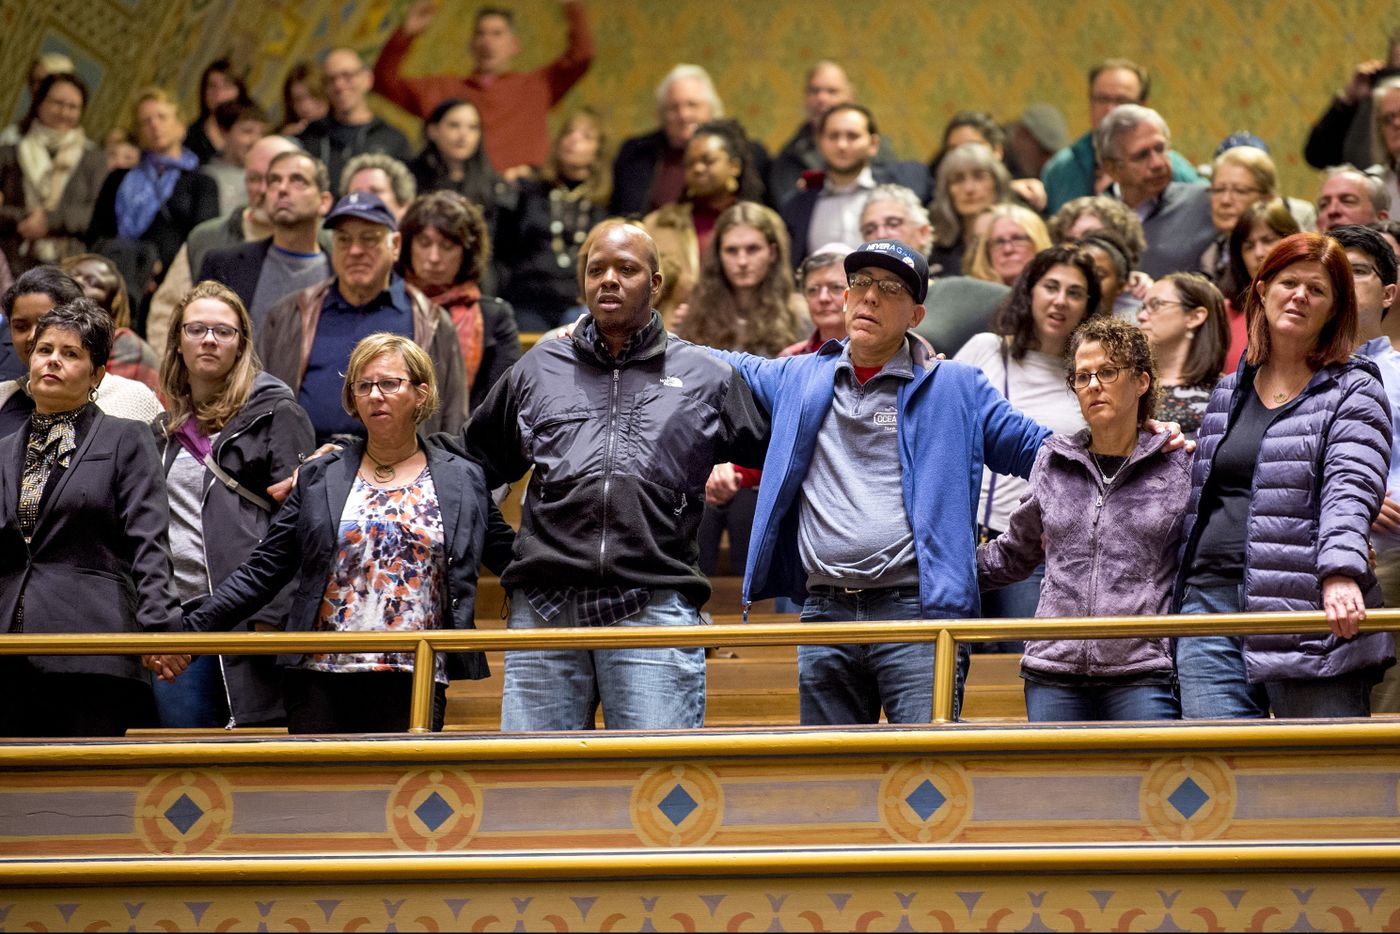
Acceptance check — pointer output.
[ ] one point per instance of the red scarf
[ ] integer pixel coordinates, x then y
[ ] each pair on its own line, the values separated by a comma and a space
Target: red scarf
463, 303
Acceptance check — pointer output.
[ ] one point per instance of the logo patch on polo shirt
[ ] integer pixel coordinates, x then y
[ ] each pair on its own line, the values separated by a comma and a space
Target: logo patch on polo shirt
887, 419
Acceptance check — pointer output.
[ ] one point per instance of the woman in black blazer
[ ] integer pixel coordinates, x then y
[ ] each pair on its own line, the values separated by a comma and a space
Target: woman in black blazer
386, 534
83, 519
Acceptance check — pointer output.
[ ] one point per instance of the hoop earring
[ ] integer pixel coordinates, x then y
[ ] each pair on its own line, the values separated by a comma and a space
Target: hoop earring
92, 394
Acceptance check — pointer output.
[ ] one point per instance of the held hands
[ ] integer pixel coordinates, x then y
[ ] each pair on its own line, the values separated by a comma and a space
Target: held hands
166, 667
1342, 600
35, 226
280, 490
722, 485
1138, 284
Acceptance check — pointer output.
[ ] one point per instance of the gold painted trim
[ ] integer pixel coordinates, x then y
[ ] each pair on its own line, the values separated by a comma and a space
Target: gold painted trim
709, 863
1348, 736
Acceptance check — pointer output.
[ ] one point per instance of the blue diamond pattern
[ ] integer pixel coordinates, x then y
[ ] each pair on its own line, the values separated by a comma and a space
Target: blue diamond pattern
925, 800
1188, 798
677, 806
184, 814
433, 812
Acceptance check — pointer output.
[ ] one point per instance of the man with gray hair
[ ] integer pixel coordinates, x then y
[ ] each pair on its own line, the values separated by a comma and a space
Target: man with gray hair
649, 170
894, 212
825, 86
383, 176
1350, 196
1133, 144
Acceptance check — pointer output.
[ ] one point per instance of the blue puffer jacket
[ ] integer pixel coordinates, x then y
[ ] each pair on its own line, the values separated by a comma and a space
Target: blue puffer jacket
951, 422
1318, 485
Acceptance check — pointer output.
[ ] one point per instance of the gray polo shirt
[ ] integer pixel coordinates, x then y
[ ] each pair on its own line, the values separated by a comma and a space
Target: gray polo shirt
852, 528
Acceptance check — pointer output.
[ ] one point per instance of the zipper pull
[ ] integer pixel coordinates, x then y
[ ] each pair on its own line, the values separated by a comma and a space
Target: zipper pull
1098, 503
681, 508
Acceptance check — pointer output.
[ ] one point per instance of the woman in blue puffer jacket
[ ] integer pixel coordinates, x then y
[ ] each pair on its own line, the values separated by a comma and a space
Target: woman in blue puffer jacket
1290, 472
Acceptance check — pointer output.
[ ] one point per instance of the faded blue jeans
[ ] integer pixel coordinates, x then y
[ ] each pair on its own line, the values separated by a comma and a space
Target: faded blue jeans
1049, 703
844, 684
638, 689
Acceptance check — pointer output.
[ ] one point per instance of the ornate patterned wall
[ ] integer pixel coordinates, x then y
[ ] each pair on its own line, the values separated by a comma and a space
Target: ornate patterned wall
1220, 65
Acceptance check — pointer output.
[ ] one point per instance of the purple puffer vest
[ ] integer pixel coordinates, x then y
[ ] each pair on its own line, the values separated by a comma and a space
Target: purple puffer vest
1318, 485
1109, 551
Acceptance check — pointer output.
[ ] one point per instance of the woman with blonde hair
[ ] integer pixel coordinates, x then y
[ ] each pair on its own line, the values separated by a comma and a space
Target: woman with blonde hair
229, 431
385, 534
1011, 236
1242, 175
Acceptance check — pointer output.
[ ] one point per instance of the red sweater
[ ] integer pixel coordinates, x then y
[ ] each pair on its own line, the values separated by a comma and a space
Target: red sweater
514, 106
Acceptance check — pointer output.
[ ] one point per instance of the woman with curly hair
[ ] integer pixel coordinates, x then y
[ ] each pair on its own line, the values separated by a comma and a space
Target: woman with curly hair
1023, 358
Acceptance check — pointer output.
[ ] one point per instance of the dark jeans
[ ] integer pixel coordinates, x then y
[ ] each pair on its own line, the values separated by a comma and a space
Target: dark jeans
354, 702
1214, 686
38, 703
735, 517
1046, 703
844, 684
1014, 601
196, 699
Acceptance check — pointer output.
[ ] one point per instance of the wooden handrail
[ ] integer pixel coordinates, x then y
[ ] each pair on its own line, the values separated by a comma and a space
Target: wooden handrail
425, 644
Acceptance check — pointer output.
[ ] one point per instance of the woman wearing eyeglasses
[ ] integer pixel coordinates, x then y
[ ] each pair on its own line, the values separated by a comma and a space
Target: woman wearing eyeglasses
1183, 318
1008, 235
386, 533
1290, 472
1023, 357
229, 431
1103, 512
1242, 175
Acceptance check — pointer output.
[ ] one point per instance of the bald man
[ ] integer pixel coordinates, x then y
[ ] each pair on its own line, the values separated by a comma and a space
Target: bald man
351, 128
620, 423
825, 86
241, 225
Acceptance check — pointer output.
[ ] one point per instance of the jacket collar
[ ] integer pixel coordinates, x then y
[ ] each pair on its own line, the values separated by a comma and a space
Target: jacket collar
643, 345
1075, 447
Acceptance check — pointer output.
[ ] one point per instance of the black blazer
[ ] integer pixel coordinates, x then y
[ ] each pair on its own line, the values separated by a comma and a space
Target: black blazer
194, 200
302, 542
100, 559
11, 366
239, 267
797, 210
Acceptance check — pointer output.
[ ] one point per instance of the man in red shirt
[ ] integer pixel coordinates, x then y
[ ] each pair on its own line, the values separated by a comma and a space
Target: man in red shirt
514, 105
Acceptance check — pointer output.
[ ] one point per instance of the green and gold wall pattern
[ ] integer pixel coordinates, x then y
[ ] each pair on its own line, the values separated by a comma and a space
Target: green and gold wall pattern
1218, 65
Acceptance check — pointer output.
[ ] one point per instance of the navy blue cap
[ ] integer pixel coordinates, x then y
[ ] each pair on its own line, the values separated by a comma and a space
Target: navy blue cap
896, 256
364, 206
1242, 138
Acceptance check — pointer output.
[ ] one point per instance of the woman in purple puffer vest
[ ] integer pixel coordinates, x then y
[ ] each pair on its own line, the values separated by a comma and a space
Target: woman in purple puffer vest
1290, 473
1103, 510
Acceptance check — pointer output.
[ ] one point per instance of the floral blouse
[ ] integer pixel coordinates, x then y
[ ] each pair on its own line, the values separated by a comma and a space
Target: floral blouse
388, 575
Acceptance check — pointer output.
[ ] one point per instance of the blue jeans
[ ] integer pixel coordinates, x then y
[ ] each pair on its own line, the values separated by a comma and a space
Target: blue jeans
842, 684
638, 689
1210, 669
196, 699
1054, 702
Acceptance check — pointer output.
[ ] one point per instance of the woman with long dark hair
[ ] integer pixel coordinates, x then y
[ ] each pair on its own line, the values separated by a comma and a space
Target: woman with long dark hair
454, 158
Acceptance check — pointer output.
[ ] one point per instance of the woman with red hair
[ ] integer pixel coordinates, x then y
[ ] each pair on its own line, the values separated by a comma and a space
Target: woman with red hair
1290, 471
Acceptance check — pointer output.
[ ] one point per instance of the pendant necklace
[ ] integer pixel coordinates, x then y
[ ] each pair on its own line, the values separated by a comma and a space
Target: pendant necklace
383, 472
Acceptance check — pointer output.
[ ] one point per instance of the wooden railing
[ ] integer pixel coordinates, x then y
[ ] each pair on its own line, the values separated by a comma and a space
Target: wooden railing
426, 644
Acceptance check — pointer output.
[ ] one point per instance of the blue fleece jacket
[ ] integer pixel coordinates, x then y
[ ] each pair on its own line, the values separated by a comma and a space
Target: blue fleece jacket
951, 422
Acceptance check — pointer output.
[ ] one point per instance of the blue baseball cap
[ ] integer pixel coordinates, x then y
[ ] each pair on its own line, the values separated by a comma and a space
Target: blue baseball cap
364, 206
896, 256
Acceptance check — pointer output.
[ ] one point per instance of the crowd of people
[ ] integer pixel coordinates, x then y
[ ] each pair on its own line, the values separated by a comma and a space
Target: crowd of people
269, 375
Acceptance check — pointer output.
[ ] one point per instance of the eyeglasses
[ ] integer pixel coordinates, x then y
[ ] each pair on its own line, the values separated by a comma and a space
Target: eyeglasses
1155, 305
368, 240
1104, 374
815, 290
1389, 119
335, 77
890, 288
1362, 270
1234, 191
223, 334
386, 387
1002, 243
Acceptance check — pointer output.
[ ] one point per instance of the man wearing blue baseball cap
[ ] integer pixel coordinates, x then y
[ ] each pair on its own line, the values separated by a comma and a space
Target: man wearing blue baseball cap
876, 453
364, 297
